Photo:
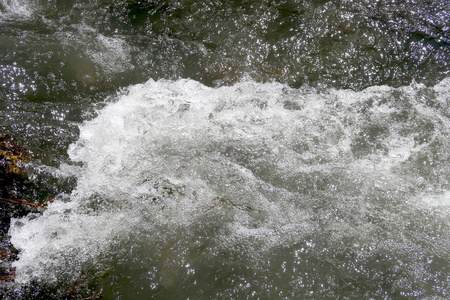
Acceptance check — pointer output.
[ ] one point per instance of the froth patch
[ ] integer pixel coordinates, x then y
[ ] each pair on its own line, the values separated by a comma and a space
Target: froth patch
265, 164
16, 8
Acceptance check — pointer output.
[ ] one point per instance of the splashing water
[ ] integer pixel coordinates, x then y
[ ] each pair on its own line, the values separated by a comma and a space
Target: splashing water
15, 8
252, 190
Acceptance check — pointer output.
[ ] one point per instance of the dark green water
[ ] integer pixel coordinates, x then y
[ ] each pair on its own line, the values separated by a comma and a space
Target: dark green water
230, 149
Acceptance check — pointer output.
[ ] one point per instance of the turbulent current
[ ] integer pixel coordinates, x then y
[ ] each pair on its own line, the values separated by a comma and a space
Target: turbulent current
230, 150
254, 189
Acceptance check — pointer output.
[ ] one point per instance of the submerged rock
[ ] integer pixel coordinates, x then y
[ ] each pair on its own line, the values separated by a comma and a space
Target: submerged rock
12, 182
12, 178
12, 157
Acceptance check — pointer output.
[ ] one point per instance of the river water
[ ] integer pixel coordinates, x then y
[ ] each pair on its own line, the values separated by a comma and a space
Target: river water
230, 149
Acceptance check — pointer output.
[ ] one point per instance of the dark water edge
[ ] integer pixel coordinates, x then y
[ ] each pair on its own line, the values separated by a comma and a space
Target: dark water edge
60, 61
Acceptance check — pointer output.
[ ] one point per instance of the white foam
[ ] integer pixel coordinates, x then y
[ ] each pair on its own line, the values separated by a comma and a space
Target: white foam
274, 164
16, 9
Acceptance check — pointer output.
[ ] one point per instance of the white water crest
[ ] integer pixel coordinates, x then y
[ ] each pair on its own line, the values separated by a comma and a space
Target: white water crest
252, 168
16, 9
